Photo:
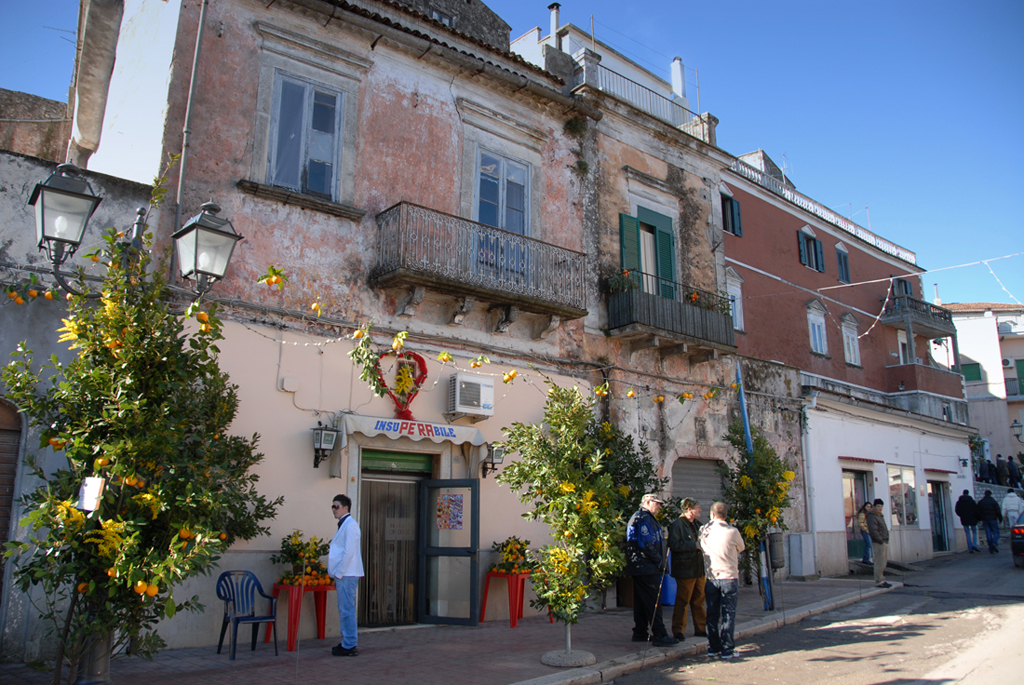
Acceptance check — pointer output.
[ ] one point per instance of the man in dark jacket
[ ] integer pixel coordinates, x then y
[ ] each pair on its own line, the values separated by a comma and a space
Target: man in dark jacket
967, 509
1011, 464
1002, 471
688, 570
645, 562
990, 517
879, 541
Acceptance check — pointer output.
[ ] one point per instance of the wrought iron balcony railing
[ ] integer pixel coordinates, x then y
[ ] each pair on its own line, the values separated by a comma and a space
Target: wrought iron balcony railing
693, 314
1012, 387
641, 97
422, 246
926, 318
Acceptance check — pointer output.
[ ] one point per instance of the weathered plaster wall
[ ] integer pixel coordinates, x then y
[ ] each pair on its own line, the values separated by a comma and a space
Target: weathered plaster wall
34, 126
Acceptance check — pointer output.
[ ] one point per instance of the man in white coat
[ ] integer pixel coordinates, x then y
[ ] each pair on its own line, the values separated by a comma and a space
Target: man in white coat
345, 565
1012, 507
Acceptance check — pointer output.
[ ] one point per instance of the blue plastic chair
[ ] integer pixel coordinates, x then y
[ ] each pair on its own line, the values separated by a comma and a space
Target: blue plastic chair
238, 590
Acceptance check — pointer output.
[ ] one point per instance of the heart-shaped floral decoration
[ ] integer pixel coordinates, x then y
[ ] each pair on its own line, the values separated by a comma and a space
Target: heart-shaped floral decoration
403, 396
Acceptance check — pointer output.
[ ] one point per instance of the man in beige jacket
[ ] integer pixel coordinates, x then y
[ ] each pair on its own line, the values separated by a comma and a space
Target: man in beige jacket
722, 545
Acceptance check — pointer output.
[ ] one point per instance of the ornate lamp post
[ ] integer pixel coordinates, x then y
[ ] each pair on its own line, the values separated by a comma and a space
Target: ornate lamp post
205, 244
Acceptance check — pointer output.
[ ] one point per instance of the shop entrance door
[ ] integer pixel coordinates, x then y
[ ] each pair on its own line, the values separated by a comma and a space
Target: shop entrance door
388, 520
937, 497
855, 494
449, 560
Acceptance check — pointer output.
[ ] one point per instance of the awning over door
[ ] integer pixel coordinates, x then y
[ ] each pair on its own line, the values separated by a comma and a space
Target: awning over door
372, 426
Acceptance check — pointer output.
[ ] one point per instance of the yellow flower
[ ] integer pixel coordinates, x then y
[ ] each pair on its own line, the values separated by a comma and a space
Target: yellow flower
624, 490
107, 538
749, 532
789, 475
598, 545
745, 482
71, 331
566, 487
150, 500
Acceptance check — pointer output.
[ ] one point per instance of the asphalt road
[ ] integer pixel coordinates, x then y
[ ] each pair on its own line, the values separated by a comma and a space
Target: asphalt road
960, 620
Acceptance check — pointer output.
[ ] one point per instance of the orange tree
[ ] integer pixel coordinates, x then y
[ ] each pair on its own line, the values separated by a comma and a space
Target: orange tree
756, 487
144, 406
560, 473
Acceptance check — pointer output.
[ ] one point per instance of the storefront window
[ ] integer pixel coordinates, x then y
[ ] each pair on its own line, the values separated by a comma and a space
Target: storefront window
902, 496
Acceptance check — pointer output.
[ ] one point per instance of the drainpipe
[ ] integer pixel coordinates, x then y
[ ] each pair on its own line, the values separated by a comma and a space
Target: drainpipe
808, 482
187, 130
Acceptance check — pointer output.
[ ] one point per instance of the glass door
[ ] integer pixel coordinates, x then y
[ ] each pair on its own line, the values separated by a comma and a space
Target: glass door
855, 493
937, 509
449, 561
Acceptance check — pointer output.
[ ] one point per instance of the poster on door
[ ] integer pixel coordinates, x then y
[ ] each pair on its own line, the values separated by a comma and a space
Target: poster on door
449, 512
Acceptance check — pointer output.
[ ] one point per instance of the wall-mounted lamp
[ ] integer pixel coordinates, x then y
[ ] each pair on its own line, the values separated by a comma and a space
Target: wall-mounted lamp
495, 455
204, 245
963, 461
1016, 429
323, 443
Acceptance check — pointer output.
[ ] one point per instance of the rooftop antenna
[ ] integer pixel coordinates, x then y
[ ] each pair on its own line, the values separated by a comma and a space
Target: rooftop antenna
697, 72
868, 210
593, 38
785, 165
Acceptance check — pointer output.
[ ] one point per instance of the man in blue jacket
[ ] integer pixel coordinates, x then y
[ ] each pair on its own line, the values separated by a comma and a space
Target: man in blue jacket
645, 562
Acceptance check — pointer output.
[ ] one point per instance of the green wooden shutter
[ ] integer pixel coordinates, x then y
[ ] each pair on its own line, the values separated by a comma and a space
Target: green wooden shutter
801, 241
664, 241
737, 223
1020, 376
819, 255
629, 242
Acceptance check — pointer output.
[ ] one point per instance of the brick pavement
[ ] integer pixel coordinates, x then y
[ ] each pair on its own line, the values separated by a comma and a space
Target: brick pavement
491, 653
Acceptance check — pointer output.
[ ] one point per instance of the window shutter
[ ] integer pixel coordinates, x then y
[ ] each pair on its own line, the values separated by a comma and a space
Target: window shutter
843, 262
666, 263
819, 255
737, 224
801, 241
629, 242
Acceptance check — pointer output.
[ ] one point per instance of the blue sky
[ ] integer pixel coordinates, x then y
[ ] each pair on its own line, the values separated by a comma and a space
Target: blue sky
913, 108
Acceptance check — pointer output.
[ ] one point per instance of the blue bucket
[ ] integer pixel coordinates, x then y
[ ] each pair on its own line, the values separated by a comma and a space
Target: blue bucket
668, 586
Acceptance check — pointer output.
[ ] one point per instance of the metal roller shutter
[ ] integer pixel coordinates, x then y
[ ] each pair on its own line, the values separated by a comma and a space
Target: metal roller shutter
699, 479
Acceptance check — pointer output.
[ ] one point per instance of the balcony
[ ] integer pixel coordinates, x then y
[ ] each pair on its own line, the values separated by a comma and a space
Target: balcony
1012, 387
925, 399
643, 98
649, 311
926, 319
421, 247
911, 377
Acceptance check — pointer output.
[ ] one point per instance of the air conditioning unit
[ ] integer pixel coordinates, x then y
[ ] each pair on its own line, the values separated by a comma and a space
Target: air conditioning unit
471, 396
1007, 363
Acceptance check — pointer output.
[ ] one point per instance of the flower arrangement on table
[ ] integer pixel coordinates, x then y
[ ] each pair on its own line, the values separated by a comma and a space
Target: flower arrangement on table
304, 558
515, 556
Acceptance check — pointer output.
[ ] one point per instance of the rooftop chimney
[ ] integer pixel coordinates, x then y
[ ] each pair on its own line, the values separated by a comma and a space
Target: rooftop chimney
678, 81
556, 40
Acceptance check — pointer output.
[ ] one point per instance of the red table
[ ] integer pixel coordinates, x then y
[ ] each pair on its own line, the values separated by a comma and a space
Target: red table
295, 593
516, 589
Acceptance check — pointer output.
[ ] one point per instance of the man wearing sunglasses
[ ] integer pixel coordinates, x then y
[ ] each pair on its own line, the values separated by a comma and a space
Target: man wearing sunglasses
345, 565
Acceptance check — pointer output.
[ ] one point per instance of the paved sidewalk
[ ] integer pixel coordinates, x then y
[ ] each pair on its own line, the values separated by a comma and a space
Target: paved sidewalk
491, 654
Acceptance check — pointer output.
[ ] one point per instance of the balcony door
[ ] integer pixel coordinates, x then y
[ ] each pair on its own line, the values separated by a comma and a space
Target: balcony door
503, 201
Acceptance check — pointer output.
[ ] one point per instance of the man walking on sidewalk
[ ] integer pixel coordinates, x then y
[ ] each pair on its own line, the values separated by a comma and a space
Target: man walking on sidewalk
722, 545
880, 541
1012, 506
645, 562
688, 570
967, 509
990, 517
345, 565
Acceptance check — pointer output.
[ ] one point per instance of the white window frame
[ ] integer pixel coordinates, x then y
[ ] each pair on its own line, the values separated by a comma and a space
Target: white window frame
734, 287
899, 474
502, 194
305, 144
851, 340
817, 333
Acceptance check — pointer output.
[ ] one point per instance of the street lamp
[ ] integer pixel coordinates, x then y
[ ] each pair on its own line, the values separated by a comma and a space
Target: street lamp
1016, 429
64, 203
323, 443
204, 245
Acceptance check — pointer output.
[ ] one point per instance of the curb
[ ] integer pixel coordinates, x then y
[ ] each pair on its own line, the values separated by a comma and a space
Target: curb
606, 671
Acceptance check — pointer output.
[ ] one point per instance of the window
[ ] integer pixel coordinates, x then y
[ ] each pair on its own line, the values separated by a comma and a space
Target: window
816, 327
440, 17
734, 287
305, 150
851, 342
972, 372
901, 340
731, 221
843, 263
902, 496
648, 248
812, 254
902, 286
503, 193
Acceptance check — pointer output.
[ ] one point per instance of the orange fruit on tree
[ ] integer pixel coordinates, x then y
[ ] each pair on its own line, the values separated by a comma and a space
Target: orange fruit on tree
151, 590
11, 294
140, 586
184, 533
19, 300
48, 295
223, 536
33, 293
111, 572
82, 587
202, 317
